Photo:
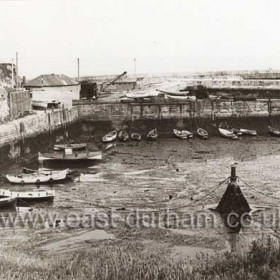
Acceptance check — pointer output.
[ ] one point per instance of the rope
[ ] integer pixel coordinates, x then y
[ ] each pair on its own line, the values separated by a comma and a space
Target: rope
164, 209
212, 191
271, 196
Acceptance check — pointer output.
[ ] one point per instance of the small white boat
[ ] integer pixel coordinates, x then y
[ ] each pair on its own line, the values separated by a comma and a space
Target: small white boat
38, 177
248, 132
111, 136
228, 133
182, 134
61, 147
28, 197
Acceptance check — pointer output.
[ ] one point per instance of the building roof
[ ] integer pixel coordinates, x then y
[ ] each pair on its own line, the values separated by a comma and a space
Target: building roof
51, 80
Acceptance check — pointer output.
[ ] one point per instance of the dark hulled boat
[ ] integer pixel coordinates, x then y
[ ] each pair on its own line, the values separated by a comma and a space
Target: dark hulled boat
123, 135
135, 136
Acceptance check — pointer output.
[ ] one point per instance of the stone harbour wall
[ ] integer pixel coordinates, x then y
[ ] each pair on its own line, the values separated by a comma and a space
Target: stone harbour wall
200, 109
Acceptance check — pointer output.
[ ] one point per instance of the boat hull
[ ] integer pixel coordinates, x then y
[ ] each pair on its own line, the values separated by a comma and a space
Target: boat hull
110, 137
74, 147
201, 133
228, 134
26, 198
38, 177
70, 157
123, 136
274, 132
184, 134
152, 135
135, 136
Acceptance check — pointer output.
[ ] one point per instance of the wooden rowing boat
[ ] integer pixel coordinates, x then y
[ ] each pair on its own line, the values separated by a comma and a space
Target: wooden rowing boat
182, 134
202, 133
123, 135
227, 133
24, 198
152, 135
37, 177
135, 136
109, 137
274, 131
62, 147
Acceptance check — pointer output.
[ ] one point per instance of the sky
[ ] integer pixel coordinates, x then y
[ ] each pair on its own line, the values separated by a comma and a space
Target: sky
163, 36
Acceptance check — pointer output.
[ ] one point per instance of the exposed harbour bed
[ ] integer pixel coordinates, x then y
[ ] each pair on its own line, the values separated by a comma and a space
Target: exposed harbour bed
141, 178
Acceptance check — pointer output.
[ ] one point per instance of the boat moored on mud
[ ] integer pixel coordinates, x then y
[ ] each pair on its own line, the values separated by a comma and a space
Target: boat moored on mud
226, 133
135, 136
182, 134
273, 131
123, 135
202, 133
152, 135
109, 137
28, 196
38, 177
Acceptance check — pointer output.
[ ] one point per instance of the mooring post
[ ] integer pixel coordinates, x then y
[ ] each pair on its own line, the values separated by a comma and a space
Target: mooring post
233, 174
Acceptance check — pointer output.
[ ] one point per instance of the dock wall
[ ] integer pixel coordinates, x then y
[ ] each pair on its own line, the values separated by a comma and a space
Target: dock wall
210, 109
24, 137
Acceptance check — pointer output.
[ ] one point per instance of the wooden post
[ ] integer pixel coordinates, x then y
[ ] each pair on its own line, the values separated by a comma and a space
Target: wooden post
233, 174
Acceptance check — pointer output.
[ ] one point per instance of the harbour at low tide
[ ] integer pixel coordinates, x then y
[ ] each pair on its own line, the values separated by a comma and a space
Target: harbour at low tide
152, 176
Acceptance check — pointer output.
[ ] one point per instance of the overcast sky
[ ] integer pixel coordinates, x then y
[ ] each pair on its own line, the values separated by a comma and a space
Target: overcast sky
163, 36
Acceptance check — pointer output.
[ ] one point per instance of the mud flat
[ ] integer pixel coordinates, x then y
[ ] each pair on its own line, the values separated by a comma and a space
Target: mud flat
147, 179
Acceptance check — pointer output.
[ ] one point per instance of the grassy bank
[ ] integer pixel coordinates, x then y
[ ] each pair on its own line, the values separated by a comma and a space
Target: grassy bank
111, 262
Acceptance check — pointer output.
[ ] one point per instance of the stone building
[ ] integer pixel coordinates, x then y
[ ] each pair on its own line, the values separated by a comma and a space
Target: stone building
52, 87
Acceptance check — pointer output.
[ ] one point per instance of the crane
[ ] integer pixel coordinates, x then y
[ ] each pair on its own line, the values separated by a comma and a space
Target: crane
107, 84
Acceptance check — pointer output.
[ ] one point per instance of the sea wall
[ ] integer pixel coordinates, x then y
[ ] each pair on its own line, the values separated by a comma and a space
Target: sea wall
28, 135
200, 109
204, 113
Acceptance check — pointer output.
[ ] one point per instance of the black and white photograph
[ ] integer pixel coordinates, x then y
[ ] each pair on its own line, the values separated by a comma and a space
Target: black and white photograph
139, 140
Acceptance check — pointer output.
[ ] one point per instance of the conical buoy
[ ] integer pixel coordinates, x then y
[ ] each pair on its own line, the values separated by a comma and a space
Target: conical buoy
233, 206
